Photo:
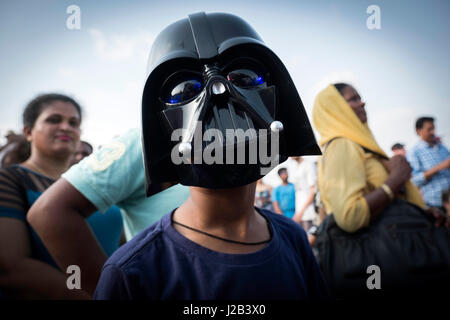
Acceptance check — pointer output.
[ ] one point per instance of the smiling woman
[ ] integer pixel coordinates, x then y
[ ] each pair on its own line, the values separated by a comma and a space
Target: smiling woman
27, 270
52, 126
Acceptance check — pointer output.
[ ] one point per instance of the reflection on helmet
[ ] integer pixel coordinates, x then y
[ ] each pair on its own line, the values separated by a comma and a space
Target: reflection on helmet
245, 78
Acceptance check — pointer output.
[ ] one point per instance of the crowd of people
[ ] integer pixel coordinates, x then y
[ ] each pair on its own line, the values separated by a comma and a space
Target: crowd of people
298, 198
121, 214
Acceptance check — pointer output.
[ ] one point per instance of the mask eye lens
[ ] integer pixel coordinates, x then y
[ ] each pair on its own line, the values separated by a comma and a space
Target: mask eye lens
183, 91
245, 78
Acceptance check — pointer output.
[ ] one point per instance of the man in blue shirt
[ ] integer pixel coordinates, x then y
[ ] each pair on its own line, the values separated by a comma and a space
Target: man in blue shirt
283, 197
430, 161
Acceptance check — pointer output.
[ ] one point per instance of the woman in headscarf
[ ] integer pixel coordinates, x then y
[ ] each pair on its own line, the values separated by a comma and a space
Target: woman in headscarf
356, 178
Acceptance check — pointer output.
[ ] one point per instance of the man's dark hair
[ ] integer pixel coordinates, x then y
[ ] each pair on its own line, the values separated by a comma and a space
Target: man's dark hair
340, 86
281, 171
19, 153
397, 146
421, 121
88, 144
35, 107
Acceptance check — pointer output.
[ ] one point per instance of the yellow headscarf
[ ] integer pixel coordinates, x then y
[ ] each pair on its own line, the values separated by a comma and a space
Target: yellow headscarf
333, 118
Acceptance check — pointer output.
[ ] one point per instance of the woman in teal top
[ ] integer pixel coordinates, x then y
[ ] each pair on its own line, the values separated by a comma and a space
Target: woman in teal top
52, 126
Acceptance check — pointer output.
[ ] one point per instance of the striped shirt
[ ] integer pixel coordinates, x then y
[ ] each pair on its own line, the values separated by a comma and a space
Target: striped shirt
422, 158
19, 189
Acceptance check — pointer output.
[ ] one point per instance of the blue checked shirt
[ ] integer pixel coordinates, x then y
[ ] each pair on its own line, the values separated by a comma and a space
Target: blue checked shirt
422, 158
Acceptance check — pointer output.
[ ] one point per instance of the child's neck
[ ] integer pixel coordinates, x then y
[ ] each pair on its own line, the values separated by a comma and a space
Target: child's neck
226, 213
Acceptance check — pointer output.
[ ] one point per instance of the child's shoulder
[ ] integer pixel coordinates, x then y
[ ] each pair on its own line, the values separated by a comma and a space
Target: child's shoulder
138, 246
284, 224
290, 234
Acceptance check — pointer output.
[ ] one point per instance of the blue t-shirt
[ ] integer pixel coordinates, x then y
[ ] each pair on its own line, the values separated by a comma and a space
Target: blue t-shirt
161, 264
285, 195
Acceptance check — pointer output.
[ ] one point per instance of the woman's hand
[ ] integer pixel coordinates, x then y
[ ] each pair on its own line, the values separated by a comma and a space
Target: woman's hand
441, 217
399, 172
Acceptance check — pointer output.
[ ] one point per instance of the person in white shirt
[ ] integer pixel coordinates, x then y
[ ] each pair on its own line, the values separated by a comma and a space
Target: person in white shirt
304, 178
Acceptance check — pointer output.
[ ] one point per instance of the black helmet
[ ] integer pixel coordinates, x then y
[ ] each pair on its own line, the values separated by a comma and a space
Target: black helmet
213, 71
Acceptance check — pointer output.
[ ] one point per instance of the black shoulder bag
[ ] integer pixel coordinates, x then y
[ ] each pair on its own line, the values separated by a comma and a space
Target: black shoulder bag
412, 254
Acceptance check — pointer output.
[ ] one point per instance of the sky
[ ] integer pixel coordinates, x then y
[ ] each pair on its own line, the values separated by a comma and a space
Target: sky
400, 70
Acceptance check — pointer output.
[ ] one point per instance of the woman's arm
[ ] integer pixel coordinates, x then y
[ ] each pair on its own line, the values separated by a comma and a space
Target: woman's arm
399, 173
24, 277
59, 217
345, 178
343, 183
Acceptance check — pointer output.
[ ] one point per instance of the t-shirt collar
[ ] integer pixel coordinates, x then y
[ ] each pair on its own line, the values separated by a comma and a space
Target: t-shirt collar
219, 257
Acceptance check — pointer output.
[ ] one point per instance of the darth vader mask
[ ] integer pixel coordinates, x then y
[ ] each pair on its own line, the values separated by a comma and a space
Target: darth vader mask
218, 106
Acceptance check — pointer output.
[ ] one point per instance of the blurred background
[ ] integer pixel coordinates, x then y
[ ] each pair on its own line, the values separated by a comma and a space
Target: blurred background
401, 70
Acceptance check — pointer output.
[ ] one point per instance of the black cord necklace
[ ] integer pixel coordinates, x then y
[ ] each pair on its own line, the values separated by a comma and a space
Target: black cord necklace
227, 240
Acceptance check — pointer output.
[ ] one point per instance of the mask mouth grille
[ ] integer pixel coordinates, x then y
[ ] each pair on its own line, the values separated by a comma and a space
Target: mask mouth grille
240, 113
228, 117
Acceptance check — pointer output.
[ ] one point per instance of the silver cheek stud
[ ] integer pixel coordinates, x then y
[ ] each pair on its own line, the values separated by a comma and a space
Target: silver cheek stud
218, 88
185, 148
276, 126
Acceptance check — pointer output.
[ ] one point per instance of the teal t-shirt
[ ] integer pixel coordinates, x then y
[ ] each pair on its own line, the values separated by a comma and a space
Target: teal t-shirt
107, 227
114, 175
285, 195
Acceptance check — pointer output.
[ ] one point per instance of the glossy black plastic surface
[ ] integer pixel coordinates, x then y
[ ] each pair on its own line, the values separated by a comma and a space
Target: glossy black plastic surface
208, 44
